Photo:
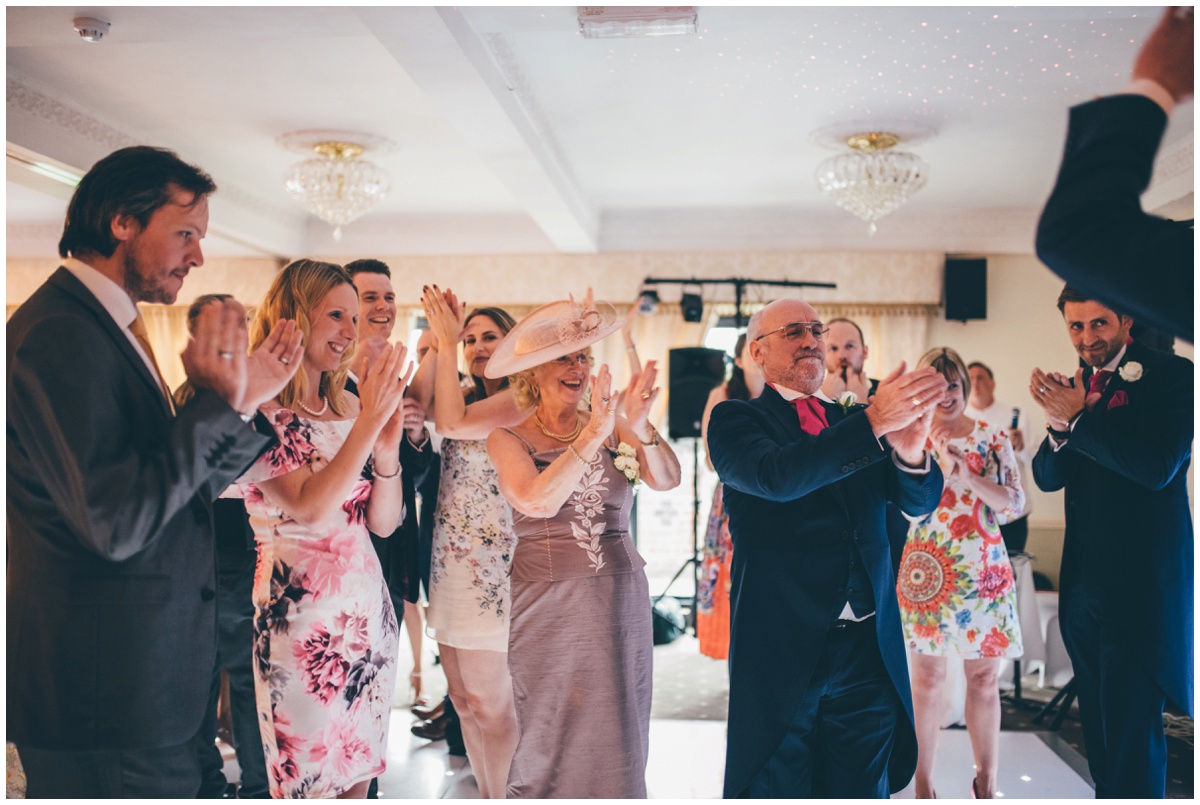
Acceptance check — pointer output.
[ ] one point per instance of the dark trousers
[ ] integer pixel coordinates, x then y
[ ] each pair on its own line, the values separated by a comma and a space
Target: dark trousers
1120, 705
841, 737
1015, 535
235, 643
169, 772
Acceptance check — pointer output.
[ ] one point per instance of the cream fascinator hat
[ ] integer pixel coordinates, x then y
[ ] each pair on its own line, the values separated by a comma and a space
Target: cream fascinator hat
552, 331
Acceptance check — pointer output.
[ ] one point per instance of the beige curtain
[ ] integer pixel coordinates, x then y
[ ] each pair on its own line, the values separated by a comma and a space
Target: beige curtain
893, 333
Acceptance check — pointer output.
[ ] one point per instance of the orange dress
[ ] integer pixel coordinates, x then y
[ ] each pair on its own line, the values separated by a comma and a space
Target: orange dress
712, 608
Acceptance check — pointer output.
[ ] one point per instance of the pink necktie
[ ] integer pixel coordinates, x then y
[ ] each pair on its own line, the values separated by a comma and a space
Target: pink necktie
812, 415
1095, 387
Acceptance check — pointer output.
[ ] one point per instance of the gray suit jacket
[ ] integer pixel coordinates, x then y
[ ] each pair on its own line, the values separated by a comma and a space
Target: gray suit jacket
111, 613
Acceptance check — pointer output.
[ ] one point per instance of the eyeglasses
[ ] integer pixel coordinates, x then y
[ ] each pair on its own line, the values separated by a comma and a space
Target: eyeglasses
796, 330
582, 359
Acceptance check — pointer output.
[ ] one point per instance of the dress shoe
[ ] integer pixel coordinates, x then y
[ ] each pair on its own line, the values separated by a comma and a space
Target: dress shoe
429, 712
431, 729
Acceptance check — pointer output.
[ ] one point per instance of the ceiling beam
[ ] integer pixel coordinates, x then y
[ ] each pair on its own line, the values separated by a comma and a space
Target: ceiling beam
461, 76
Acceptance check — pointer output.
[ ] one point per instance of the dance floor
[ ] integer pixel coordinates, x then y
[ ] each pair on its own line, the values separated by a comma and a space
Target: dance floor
687, 745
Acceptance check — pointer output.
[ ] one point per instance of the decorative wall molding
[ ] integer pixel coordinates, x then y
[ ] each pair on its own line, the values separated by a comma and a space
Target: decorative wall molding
23, 97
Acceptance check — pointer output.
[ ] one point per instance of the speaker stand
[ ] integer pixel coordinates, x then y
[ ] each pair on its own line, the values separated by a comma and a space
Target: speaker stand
694, 561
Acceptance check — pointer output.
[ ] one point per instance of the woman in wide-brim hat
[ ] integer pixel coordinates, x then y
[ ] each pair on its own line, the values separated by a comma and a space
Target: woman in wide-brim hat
580, 638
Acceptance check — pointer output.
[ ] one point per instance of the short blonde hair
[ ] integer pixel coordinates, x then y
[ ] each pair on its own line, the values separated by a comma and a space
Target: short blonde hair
525, 388
294, 294
950, 365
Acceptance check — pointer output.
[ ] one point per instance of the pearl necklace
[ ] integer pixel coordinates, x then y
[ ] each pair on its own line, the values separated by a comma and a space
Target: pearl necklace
324, 407
570, 437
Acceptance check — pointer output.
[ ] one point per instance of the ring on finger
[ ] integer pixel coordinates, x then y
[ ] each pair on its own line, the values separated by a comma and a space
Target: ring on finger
612, 410
225, 355
605, 400
916, 400
1042, 390
284, 361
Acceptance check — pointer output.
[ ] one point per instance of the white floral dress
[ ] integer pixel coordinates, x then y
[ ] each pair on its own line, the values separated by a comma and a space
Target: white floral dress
955, 586
325, 634
473, 543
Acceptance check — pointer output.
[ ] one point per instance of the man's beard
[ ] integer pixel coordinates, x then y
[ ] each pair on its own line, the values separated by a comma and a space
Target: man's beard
136, 287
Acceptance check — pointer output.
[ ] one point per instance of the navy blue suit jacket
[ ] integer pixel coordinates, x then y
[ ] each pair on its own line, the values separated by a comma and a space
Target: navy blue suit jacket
1129, 525
1094, 233
796, 505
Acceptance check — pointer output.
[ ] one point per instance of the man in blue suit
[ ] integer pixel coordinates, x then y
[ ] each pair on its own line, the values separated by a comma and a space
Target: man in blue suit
819, 700
1093, 232
1119, 443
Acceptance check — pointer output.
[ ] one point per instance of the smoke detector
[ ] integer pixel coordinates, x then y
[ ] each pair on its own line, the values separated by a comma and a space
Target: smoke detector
90, 29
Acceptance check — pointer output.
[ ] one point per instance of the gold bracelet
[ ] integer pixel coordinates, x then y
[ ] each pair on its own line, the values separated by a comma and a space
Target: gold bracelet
571, 449
653, 439
381, 477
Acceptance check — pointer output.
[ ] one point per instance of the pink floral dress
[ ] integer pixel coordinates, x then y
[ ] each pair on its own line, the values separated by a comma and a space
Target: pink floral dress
955, 586
325, 634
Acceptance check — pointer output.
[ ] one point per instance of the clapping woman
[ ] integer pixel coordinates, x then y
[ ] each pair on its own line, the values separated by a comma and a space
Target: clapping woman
472, 533
580, 642
325, 632
955, 585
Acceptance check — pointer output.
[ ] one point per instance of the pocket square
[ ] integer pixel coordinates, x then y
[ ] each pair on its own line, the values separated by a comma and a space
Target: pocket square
1118, 399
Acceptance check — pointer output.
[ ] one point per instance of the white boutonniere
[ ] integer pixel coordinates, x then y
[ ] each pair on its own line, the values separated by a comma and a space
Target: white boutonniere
1130, 372
626, 461
847, 401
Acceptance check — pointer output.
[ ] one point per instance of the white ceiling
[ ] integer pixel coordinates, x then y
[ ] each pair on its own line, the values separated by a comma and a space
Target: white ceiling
512, 134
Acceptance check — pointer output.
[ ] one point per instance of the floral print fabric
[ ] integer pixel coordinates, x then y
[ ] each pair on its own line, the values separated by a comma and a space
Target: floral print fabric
955, 586
473, 544
712, 596
325, 634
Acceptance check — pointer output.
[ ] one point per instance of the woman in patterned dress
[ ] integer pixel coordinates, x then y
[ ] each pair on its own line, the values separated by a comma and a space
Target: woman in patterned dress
712, 597
472, 534
955, 586
325, 634
580, 647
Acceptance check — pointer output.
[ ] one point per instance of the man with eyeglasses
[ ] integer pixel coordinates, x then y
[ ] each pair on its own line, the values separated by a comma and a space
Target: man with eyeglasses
819, 700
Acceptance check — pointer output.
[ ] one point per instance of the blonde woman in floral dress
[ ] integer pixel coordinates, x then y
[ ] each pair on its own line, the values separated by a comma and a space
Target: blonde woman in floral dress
955, 585
581, 639
325, 633
472, 533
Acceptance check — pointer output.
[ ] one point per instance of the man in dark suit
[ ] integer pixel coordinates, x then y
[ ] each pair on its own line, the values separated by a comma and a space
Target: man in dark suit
1093, 232
111, 622
819, 699
1119, 443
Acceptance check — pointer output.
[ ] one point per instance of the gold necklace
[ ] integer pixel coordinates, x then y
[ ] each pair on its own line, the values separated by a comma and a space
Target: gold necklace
570, 437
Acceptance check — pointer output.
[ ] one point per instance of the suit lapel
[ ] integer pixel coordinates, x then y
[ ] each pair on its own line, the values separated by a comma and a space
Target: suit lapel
782, 411
67, 282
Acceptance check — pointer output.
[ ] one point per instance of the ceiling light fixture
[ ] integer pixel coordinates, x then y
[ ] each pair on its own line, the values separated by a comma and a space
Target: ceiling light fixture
872, 180
648, 302
336, 185
623, 22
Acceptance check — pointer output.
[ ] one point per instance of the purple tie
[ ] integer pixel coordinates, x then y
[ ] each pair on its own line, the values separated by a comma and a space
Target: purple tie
812, 415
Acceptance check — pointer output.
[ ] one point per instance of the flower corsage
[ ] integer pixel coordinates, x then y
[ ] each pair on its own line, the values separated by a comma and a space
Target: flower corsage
626, 461
847, 401
1130, 372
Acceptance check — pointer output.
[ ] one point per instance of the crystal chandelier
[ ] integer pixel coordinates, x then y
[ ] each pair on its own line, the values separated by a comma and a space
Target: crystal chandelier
872, 181
337, 185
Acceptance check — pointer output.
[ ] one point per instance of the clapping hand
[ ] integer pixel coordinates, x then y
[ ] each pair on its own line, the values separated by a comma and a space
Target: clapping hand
604, 405
639, 399
381, 391
1059, 399
445, 313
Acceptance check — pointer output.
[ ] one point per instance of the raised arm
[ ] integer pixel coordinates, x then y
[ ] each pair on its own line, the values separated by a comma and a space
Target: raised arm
659, 467
542, 494
312, 496
115, 491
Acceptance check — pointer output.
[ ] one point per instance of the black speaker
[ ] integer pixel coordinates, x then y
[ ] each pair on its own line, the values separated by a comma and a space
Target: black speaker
966, 289
694, 372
